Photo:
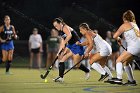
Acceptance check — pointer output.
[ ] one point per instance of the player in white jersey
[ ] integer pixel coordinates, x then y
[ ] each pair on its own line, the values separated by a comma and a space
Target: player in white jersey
132, 36
99, 59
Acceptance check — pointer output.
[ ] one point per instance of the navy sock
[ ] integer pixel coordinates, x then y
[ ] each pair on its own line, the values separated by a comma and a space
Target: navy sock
84, 68
8, 65
61, 69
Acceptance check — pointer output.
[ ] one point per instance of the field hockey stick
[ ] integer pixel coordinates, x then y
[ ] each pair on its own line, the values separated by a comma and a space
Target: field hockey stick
50, 68
70, 68
133, 55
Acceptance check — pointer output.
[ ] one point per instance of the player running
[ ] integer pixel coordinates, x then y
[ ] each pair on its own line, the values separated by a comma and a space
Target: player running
102, 47
70, 37
7, 32
132, 36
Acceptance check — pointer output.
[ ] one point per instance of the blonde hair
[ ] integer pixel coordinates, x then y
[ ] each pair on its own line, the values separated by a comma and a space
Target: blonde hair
129, 16
85, 26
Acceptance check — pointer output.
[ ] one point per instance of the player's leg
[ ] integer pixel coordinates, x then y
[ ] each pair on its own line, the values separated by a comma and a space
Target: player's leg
119, 66
76, 59
62, 59
39, 60
9, 61
103, 63
4, 56
95, 65
31, 59
129, 71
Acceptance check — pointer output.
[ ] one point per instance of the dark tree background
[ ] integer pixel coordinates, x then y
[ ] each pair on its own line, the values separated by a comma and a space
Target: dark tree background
102, 15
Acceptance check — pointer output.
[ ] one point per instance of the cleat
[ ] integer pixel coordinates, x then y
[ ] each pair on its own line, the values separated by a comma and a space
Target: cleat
58, 80
113, 79
103, 77
8, 73
108, 81
116, 81
129, 83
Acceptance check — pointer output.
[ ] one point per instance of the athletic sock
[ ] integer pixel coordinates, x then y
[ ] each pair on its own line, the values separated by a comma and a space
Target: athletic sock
108, 71
98, 68
8, 65
61, 69
119, 70
84, 68
129, 72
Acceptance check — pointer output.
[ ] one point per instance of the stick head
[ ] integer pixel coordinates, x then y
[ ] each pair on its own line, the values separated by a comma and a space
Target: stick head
42, 76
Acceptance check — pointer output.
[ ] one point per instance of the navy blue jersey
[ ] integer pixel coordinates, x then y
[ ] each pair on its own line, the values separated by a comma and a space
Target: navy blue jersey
7, 33
74, 37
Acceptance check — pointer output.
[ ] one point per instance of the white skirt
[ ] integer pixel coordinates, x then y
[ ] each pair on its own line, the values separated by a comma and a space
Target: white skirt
133, 50
104, 49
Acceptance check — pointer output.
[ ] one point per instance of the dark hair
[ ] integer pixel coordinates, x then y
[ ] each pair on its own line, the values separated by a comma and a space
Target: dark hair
84, 25
6, 16
129, 16
59, 20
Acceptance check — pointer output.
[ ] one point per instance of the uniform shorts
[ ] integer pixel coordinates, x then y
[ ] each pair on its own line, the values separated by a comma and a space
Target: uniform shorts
76, 49
9, 45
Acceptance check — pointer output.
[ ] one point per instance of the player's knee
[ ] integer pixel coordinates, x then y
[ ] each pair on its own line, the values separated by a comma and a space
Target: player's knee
119, 60
103, 65
9, 62
91, 62
4, 59
77, 66
10, 58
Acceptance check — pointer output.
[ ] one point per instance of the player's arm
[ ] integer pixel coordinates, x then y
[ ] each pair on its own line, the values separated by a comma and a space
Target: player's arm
82, 43
40, 41
61, 48
14, 32
90, 43
1, 30
29, 44
62, 42
118, 33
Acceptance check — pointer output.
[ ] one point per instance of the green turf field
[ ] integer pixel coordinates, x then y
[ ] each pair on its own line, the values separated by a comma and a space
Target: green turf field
29, 81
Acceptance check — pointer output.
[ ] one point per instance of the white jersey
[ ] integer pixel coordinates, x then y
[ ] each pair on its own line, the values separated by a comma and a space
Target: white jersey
102, 46
35, 41
133, 41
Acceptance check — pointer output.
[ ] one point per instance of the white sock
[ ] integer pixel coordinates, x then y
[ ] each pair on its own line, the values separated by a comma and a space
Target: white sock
88, 65
110, 63
108, 71
98, 68
119, 70
70, 63
56, 64
129, 72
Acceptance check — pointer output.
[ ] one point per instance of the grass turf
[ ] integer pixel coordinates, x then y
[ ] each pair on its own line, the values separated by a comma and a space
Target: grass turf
28, 81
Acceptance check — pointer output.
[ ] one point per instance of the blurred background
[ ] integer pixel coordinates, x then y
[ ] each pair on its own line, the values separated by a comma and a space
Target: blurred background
102, 15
